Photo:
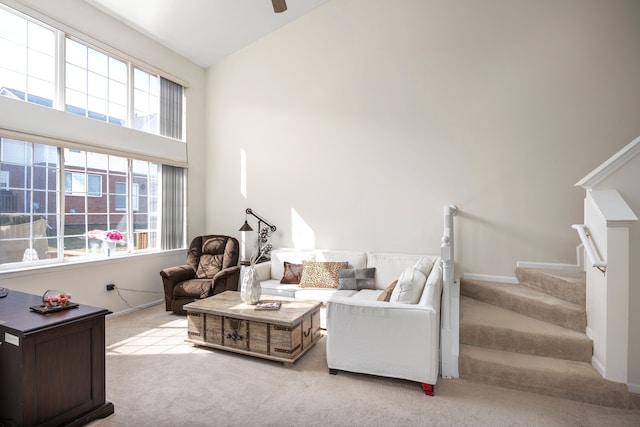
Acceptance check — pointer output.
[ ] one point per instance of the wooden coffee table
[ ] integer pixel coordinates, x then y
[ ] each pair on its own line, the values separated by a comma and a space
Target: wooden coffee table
224, 322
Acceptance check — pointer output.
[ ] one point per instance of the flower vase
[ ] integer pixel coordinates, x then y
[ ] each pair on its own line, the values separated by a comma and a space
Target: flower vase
250, 289
109, 247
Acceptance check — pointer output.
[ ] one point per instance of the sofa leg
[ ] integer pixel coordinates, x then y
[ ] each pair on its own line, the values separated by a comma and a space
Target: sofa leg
428, 389
333, 371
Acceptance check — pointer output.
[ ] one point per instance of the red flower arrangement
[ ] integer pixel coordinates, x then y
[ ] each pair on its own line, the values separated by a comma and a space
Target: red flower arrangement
104, 235
113, 235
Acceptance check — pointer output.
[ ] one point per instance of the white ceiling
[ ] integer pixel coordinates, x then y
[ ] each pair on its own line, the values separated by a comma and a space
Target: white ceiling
204, 31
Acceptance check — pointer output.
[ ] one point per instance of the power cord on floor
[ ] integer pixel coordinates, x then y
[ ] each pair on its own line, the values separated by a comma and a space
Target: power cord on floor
118, 289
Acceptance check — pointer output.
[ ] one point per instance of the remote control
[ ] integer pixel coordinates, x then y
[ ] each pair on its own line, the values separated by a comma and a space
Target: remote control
3, 292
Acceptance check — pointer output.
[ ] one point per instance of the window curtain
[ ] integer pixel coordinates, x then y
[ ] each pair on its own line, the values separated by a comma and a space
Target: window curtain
173, 207
170, 109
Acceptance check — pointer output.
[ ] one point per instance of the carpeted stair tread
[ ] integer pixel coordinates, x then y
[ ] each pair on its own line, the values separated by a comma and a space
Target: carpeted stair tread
490, 326
527, 301
554, 377
569, 285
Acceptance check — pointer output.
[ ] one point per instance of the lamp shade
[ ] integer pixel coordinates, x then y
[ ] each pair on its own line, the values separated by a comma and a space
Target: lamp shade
246, 226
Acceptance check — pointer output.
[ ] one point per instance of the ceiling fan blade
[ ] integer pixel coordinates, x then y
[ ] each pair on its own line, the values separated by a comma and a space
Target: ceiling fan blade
279, 5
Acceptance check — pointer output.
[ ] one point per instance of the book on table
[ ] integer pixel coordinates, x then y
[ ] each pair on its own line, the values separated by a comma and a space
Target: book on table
268, 305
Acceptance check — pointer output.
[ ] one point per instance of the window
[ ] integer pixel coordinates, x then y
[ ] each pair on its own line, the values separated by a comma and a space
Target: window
27, 62
95, 83
146, 101
121, 196
94, 196
79, 184
4, 180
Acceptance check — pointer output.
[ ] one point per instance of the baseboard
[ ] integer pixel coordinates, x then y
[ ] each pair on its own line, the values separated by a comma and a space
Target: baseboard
490, 278
634, 388
547, 266
134, 309
597, 365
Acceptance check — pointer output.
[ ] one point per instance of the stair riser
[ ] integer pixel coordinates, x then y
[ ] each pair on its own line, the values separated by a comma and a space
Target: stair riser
572, 290
538, 382
507, 340
562, 316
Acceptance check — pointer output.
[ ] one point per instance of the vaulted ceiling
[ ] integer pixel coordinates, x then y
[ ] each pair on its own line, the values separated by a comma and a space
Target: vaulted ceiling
204, 31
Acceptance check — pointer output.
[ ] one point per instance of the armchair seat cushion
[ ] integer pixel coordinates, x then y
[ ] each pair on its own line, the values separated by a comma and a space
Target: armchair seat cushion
194, 288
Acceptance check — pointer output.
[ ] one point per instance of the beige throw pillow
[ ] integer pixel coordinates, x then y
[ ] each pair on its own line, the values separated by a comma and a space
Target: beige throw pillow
318, 274
386, 294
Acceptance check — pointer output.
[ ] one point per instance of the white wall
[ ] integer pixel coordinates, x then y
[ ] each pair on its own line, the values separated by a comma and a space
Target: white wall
362, 119
86, 282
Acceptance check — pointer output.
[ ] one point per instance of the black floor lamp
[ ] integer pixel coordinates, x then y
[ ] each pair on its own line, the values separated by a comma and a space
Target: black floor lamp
247, 227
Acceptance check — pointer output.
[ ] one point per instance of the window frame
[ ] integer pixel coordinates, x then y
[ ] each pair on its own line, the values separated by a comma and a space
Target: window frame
59, 101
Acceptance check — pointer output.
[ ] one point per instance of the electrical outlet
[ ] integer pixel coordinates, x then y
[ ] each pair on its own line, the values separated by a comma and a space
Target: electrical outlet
111, 287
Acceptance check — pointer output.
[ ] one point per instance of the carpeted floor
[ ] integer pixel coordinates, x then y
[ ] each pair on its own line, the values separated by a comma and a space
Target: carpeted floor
154, 378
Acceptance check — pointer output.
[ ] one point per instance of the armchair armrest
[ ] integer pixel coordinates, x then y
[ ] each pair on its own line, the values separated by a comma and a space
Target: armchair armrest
180, 273
227, 279
382, 338
172, 276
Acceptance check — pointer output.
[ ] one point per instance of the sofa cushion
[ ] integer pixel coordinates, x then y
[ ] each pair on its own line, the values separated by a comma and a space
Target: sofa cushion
386, 294
409, 287
356, 278
389, 266
274, 287
292, 273
323, 294
320, 274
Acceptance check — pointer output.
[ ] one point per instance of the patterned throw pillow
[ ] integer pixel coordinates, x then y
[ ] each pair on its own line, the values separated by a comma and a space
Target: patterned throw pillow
292, 273
356, 279
386, 294
318, 274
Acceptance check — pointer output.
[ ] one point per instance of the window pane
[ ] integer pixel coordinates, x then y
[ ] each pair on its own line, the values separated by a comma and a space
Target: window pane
98, 62
24, 211
76, 53
13, 27
41, 39
27, 64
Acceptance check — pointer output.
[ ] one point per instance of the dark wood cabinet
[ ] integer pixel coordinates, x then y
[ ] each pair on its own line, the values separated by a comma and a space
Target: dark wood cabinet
52, 366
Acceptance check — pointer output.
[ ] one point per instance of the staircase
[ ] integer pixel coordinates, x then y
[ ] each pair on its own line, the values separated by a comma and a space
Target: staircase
531, 336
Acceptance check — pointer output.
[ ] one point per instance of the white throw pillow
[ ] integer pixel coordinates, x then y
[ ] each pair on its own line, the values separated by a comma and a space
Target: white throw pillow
409, 287
424, 265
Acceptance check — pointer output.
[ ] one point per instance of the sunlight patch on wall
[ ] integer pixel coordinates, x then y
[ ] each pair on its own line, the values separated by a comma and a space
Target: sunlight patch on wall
302, 235
243, 173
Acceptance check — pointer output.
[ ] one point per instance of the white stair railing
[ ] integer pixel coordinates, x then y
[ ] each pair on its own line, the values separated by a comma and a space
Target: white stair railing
450, 339
590, 248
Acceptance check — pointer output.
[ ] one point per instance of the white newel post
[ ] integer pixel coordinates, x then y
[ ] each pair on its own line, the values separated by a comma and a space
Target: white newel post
450, 339
608, 219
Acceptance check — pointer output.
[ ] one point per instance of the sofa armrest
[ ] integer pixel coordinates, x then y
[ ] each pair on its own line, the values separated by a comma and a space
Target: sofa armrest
227, 279
393, 340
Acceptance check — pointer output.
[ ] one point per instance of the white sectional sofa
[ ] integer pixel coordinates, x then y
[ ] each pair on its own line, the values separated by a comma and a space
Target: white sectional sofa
397, 338
389, 267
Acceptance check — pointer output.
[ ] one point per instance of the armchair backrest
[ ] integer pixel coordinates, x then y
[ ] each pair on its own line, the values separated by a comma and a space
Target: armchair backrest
210, 254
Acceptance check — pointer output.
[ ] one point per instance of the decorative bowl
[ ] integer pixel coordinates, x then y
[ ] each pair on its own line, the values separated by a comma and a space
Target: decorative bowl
53, 298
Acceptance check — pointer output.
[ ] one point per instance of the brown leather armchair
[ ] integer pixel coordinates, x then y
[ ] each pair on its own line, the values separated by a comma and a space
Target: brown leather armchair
211, 268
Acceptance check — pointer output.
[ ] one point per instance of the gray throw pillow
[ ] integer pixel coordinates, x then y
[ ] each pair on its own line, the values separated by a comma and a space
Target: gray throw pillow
355, 279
